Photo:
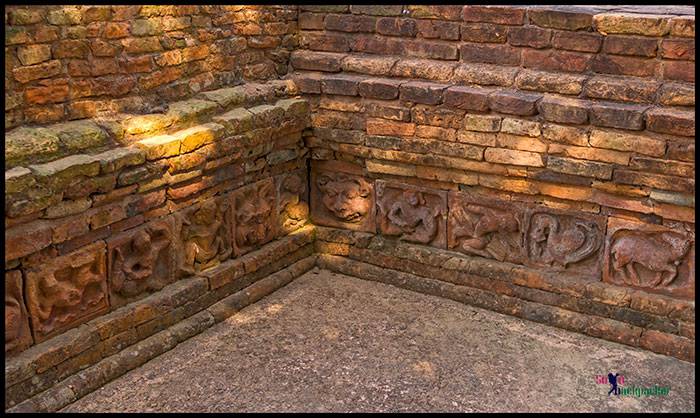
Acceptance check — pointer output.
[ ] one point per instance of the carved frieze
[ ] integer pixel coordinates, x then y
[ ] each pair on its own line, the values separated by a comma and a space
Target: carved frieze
564, 241
255, 217
413, 214
141, 261
341, 197
654, 258
292, 201
205, 235
485, 227
17, 333
66, 291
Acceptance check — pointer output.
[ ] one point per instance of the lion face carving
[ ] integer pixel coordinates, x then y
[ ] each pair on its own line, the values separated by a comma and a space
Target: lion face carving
347, 197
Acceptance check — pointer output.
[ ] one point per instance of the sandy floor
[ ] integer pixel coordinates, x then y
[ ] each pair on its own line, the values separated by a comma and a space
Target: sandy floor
328, 342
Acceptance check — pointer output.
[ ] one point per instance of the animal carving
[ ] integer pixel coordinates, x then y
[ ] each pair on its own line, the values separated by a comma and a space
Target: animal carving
661, 253
294, 212
490, 224
553, 245
410, 216
347, 197
254, 211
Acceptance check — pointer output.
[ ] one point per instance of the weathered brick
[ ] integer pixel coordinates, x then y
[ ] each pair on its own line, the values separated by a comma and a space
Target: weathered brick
502, 15
657, 181
682, 151
565, 134
467, 98
375, 65
328, 42
663, 166
628, 23
671, 121
577, 41
550, 17
676, 94
619, 65
490, 54
397, 27
483, 32
341, 84
667, 344
482, 123
620, 116
520, 142
316, 61
627, 142
590, 153
451, 12
683, 26
350, 23
563, 110
515, 157
679, 70
26, 239
625, 90
379, 88
485, 74
422, 92
580, 167
549, 82
520, 127
629, 45
385, 127
555, 60
435, 29
35, 72
33, 54
514, 102
530, 36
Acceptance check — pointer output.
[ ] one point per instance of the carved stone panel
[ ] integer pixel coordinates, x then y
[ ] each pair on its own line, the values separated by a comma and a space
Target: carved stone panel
205, 235
292, 201
255, 219
411, 213
653, 258
18, 336
67, 291
564, 241
485, 227
341, 197
141, 261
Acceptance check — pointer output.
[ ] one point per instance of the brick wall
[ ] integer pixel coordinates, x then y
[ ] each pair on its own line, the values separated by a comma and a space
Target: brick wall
557, 143
73, 62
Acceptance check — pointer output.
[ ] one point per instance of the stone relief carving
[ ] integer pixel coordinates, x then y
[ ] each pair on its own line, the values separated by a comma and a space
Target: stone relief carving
17, 333
563, 241
254, 213
205, 234
67, 290
342, 200
292, 201
485, 227
413, 214
141, 261
651, 257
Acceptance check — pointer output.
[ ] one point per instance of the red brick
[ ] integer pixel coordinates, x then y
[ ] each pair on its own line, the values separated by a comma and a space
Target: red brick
377, 45
103, 66
308, 82
422, 92
683, 26
26, 239
502, 15
350, 23
670, 345
397, 27
671, 121
142, 64
490, 54
625, 90
629, 45
379, 88
681, 151
564, 110
452, 12
679, 70
560, 19
554, 60
43, 95
514, 102
434, 29
577, 41
115, 30
531, 36
328, 42
467, 98
341, 84
619, 65
678, 49
549, 82
430, 49
484, 32
316, 61
311, 21
620, 116
385, 127
35, 72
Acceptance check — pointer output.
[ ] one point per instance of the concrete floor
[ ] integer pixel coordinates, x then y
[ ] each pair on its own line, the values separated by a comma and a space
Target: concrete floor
329, 342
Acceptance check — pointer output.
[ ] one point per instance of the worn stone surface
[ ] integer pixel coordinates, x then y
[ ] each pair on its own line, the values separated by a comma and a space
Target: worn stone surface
336, 343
